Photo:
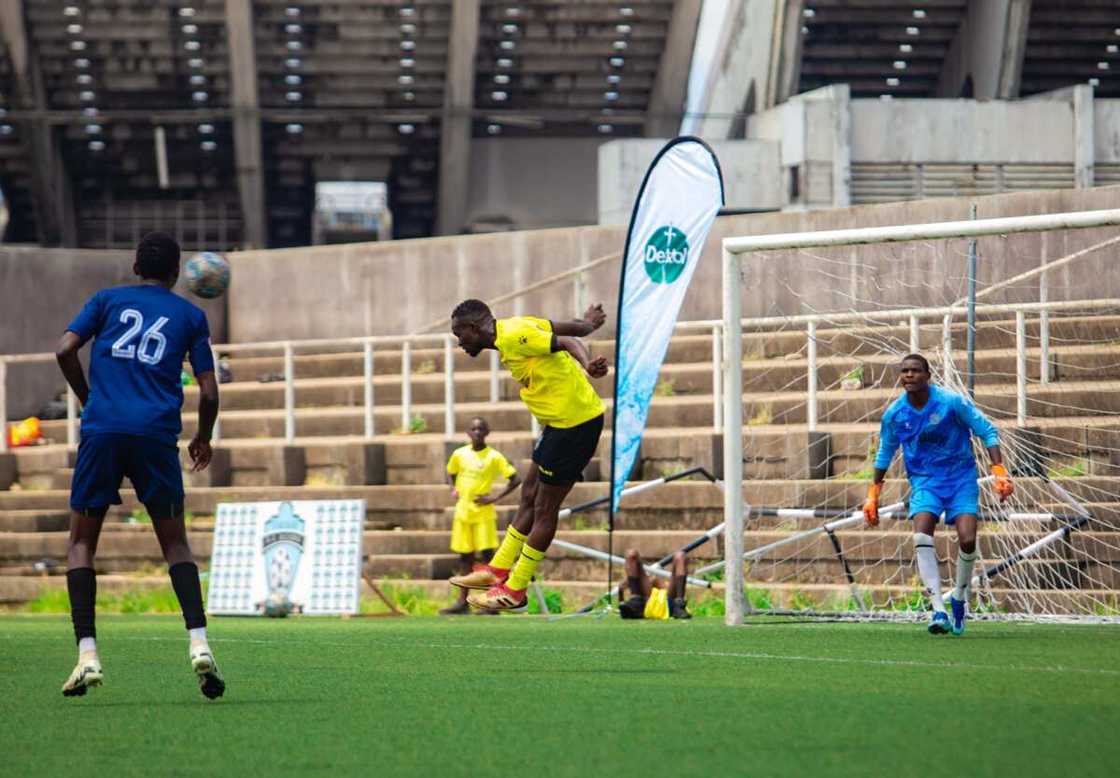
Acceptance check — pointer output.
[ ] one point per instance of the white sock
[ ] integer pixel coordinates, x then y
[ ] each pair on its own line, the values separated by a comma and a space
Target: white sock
197, 634
965, 562
927, 568
86, 645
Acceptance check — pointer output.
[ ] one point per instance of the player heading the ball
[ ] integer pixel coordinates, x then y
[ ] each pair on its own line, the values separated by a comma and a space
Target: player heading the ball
934, 428
552, 365
130, 427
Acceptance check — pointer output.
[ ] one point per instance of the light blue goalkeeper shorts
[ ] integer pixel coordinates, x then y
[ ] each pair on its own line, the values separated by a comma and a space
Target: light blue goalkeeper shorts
952, 498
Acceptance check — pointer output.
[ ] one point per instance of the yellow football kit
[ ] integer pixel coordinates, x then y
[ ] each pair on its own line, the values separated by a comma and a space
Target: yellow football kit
553, 384
657, 604
475, 527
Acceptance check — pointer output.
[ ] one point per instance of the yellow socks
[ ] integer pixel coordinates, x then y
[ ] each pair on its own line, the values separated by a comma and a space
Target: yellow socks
526, 566
507, 552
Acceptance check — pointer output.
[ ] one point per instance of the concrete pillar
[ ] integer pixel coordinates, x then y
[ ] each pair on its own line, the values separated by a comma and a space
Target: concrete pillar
287, 465
670, 88
1084, 147
785, 70
750, 32
1080, 98
366, 464
455, 132
50, 182
245, 104
1014, 49
987, 52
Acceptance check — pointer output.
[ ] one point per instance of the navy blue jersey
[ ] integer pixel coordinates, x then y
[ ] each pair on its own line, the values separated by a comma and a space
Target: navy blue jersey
935, 440
142, 333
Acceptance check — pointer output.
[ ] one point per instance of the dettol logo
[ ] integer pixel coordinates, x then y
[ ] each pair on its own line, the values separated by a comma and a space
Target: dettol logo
666, 254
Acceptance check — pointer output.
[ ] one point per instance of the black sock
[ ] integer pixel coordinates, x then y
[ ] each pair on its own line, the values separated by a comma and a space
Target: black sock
81, 583
184, 580
634, 584
676, 587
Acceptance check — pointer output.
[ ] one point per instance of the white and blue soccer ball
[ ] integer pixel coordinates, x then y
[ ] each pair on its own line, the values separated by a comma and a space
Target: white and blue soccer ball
207, 274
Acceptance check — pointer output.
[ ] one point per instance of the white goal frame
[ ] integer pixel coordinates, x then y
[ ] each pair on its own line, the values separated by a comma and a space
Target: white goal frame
733, 341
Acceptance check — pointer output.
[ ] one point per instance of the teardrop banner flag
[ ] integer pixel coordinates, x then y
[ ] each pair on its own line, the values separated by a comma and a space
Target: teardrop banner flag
677, 203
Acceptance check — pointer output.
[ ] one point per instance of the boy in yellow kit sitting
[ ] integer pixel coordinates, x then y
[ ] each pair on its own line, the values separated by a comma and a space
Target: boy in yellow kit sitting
474, 530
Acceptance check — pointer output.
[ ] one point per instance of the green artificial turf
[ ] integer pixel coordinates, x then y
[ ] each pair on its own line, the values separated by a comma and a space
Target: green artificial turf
519, 696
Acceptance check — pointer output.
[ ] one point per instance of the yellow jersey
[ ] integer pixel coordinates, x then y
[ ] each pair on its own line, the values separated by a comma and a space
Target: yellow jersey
474, 473
553, 384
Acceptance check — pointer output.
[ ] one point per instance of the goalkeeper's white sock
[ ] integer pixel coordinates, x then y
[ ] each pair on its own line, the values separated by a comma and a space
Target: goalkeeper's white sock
965, 563
85, 645
927, 568
197, 635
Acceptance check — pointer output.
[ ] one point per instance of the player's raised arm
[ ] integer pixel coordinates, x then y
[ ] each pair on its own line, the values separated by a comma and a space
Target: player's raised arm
596, 368
592, 320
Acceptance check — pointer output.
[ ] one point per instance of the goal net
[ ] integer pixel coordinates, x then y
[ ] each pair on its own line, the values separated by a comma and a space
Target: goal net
819, 322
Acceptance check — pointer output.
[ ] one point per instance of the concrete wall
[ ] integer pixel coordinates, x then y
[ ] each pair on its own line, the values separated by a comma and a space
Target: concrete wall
401, 287
43, 289
536, 182
813, 131
960, 131
748, 168
1106, 131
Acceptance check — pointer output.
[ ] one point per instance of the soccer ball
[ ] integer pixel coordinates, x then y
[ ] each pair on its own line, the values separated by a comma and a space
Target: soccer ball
207, 274
277, 606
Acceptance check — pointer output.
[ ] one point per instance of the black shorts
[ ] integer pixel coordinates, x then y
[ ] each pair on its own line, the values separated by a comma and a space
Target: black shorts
151, 465
562, 454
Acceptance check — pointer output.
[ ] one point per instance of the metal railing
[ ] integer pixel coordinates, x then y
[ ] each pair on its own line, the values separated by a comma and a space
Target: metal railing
812, 324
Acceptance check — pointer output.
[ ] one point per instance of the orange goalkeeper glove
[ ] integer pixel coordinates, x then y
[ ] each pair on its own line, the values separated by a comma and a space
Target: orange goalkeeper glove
1002, 483
871, 505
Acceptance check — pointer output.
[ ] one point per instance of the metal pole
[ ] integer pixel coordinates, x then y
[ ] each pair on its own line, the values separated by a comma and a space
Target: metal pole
1020, 368
811, 409
732, 441
1044, 328
972, 260
494, 376
367, 386
717, 384
71, 417
915, 335
448, 387
3, 405
406, 386
289, 394
947, 348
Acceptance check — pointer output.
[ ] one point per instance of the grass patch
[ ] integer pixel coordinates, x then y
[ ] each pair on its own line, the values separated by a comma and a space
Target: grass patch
318, 695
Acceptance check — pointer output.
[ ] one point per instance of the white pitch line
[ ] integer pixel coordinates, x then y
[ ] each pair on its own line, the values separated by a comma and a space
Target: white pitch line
753, 655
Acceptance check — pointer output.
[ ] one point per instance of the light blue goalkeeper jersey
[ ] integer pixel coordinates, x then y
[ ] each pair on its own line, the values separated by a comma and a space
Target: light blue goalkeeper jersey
935, 440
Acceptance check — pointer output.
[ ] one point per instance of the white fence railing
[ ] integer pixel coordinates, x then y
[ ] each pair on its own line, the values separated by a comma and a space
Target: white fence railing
714, 329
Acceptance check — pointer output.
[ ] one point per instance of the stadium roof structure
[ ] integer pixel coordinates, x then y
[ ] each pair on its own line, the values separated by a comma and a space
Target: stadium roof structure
219, 116
259, 99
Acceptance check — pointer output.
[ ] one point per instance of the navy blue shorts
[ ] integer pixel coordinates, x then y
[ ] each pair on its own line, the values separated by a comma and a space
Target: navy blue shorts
151, 465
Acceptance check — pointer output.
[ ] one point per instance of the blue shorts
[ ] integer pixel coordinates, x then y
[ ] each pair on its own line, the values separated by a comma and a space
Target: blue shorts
951, 498
151, 465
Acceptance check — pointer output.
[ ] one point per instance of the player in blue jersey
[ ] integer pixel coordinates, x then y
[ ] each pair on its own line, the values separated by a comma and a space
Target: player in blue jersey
934, 428
130, 427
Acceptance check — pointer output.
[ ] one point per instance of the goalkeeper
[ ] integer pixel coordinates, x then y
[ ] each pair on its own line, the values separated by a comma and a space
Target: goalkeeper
933, 427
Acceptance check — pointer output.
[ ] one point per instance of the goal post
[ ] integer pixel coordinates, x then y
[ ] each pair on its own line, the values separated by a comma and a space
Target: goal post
733, 251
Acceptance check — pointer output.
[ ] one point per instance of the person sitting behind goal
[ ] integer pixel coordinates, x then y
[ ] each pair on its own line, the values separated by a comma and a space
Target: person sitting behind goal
654, 599
474, 530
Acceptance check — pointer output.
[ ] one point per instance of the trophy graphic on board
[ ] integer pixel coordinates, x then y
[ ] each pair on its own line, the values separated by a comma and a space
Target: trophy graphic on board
282, 547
